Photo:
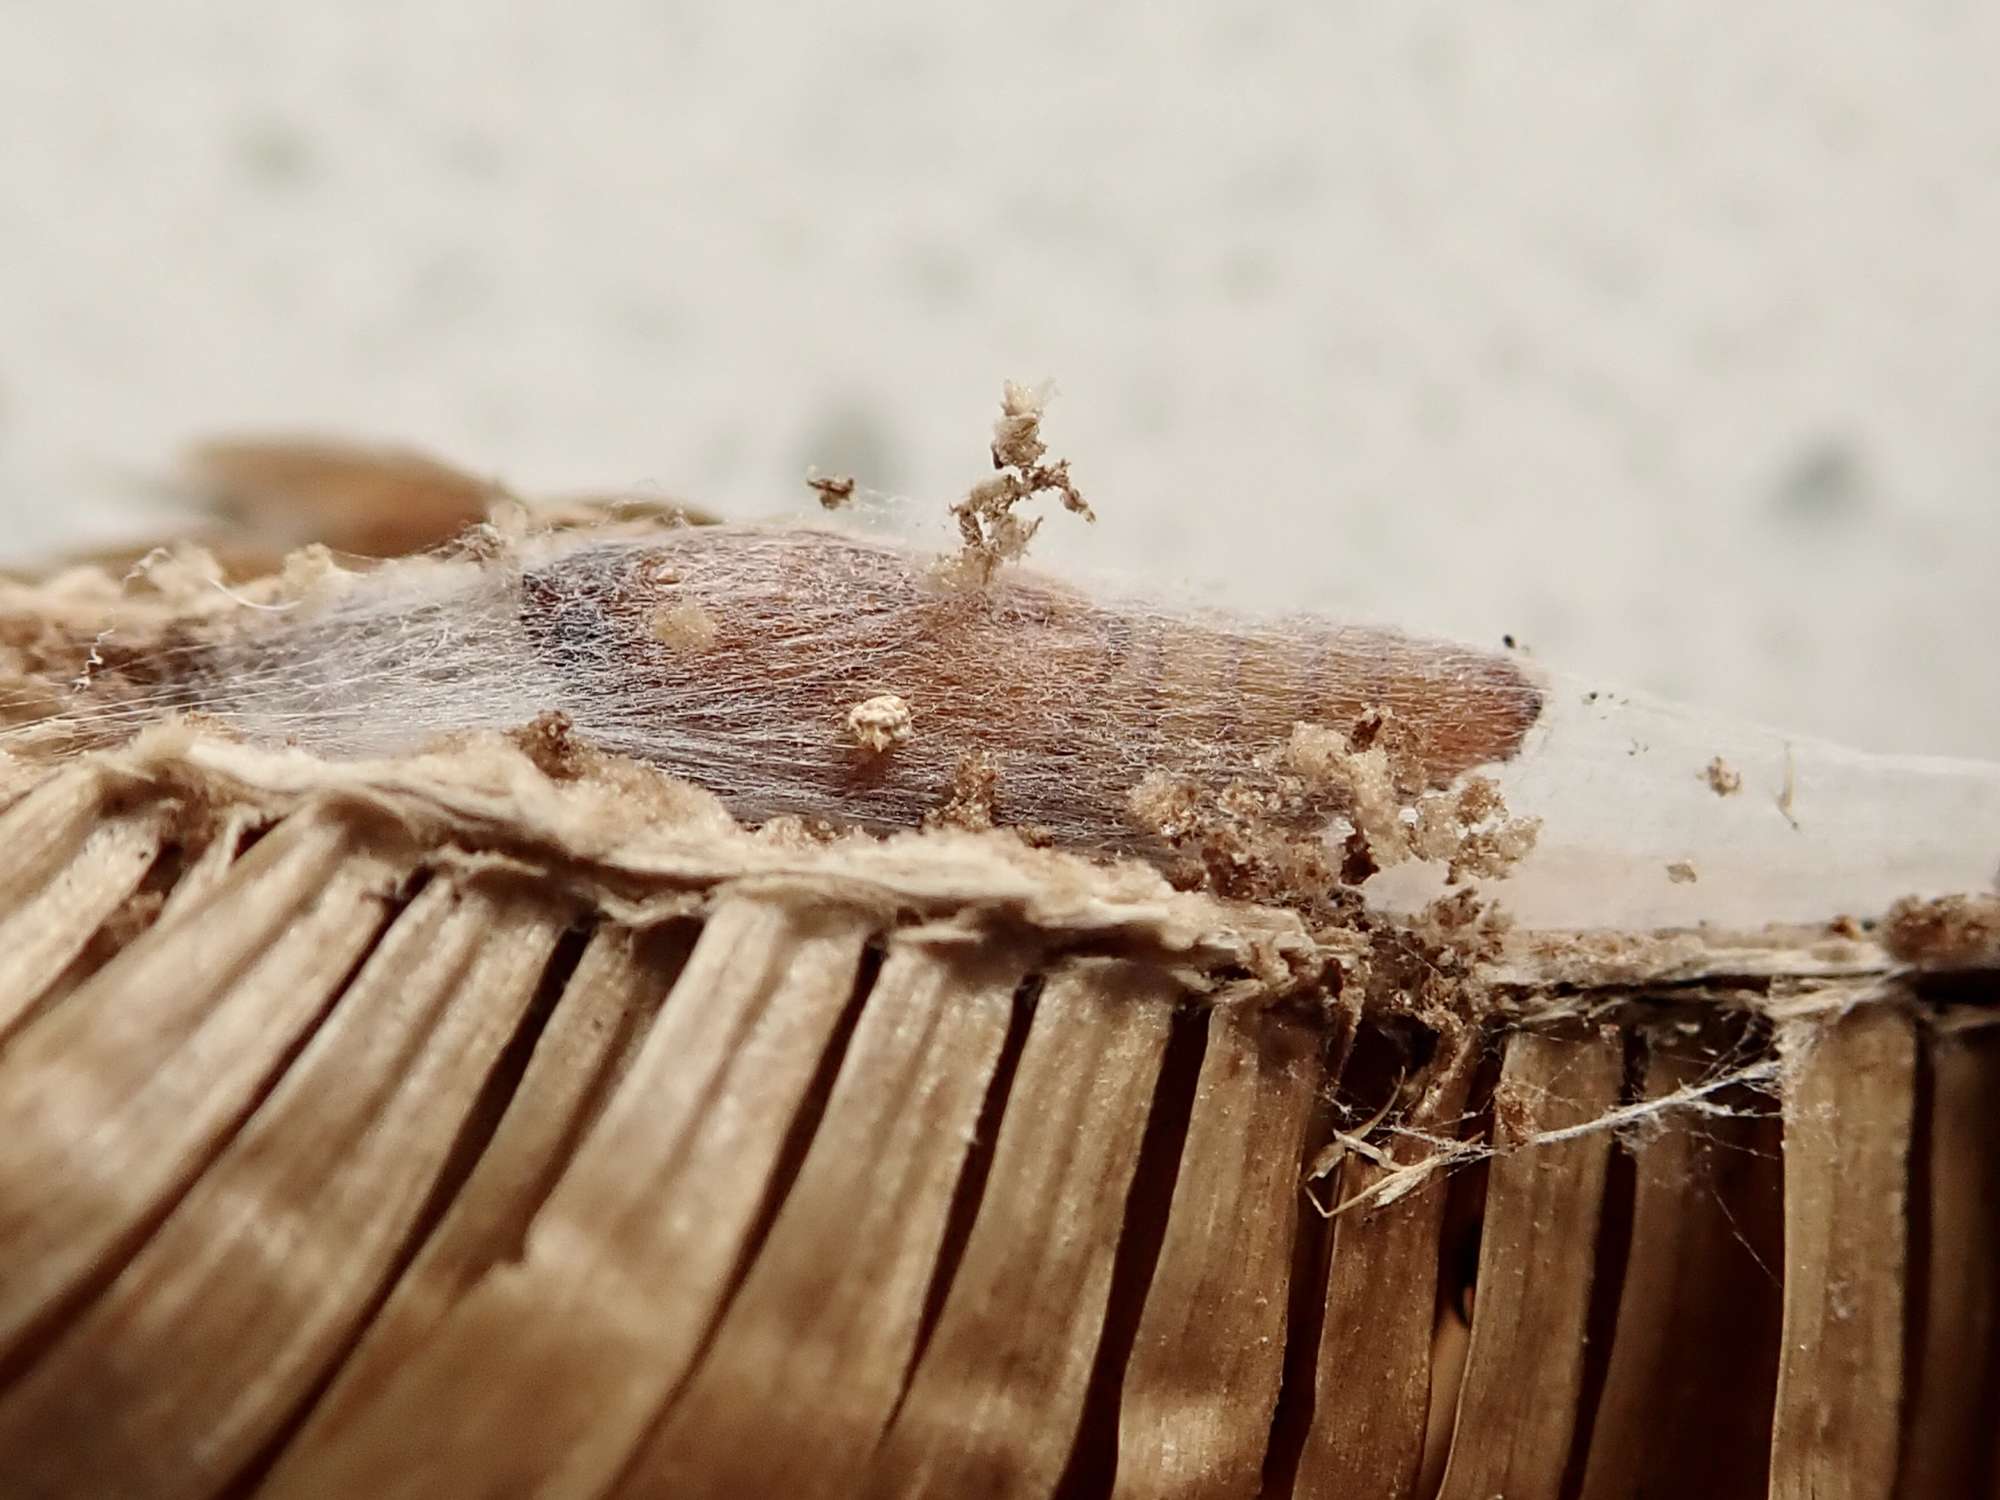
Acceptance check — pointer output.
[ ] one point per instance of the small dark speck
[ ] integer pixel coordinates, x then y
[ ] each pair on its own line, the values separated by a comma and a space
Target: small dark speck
1590, 697
848, 437
1509, 642
1826, 482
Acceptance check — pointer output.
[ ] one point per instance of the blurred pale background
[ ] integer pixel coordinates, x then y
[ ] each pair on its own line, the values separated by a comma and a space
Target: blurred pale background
1665, 338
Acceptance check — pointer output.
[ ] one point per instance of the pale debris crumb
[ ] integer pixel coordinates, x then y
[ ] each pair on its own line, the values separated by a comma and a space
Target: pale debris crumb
1435, 835
1328, 763
309, 571
1723, 779
1265, 835
1681, 872
880, 723
684, 625
1489, 853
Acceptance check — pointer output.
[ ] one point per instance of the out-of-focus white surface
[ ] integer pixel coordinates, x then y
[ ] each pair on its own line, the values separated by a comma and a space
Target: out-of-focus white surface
1665, 338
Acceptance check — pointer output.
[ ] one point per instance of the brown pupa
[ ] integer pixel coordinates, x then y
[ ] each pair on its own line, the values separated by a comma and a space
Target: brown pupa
734, 656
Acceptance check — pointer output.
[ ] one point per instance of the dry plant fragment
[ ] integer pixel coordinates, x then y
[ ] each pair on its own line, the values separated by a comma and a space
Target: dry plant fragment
1789, 791
834, 490
880, 723
1264, 835
1703, 1096
972, 803
1723, 779
1243, 842
1681, 872
991, 532
1491, 842
1268, 837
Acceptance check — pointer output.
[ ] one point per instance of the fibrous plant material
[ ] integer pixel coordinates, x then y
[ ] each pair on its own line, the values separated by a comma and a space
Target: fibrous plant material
1217, 1301
815, 1131
1696, 1322
1031, 1297
572, 1427
442, 994
1371, 1369
1849, 1118
1538, 1255
906, 1110
1952, 1369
